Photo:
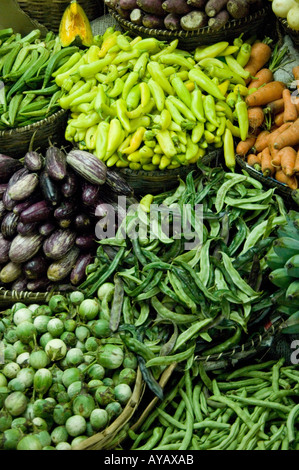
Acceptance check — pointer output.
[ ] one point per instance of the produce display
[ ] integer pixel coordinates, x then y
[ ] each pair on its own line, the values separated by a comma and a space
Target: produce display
183, 15
63, 379
49, 208
272, 146
179, 295
26, 66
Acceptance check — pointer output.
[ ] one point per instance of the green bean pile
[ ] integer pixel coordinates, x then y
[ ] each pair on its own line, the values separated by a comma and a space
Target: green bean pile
254, 407
26, 66
170, 304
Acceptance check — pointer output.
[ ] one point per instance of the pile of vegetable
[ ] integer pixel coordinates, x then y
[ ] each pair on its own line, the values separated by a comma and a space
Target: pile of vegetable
64, 376
253, 407
272, 146
49, 207
283, 260
288, 10
143, 104
26, 65
183, 15
171, 303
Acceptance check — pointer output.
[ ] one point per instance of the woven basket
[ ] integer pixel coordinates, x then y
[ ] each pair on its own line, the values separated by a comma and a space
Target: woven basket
9, 297
160, 181
188, 40
294, 35
15, 142
282, 189
117, 431
49, 13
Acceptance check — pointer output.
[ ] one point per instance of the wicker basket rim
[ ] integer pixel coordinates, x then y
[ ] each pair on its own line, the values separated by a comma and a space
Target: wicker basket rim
260, 177
189, 34
42, 122
286, 26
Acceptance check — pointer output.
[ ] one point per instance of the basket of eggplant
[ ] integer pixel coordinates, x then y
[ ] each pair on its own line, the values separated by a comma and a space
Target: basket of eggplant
192, 22
50, 205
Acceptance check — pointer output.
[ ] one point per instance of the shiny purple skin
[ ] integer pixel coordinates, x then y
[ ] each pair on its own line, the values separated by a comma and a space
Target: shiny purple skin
88, 166
90, 193
69, 185
38, 212
86, 242
33, 161
21, 206
20, 285
50, 189
9, 225
3, 188
82, 222
78, 272
8, 166
39, 285
47, 228
35, 268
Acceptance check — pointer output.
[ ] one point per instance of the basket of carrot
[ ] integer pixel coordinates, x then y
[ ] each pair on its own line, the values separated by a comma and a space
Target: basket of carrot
270, 152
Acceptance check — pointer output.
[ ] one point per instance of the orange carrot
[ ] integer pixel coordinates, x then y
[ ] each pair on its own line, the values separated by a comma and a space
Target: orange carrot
262, 141
264, 95
290, 181
289, 137
259, 56
266, 163
244, 146
290, 110
254, 160
279, 119
261, 77
256, 117
275, 134
288, 157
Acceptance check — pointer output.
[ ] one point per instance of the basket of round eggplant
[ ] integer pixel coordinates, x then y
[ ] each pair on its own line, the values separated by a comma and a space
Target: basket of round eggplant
187, 20
50, 206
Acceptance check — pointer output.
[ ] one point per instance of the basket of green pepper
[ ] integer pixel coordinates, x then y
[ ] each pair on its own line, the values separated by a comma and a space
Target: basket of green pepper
28, 95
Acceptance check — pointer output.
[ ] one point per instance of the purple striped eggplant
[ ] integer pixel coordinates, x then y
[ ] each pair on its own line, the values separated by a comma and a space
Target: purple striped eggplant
38, 212
24, 248
21, 206
2, 210
69, 185
8, 166
117, 184
9, 225
20, 285
90, 193
61, 268
78, 272
87, 165
59, 243
4, 249
33, 161
24, 188
55, 163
